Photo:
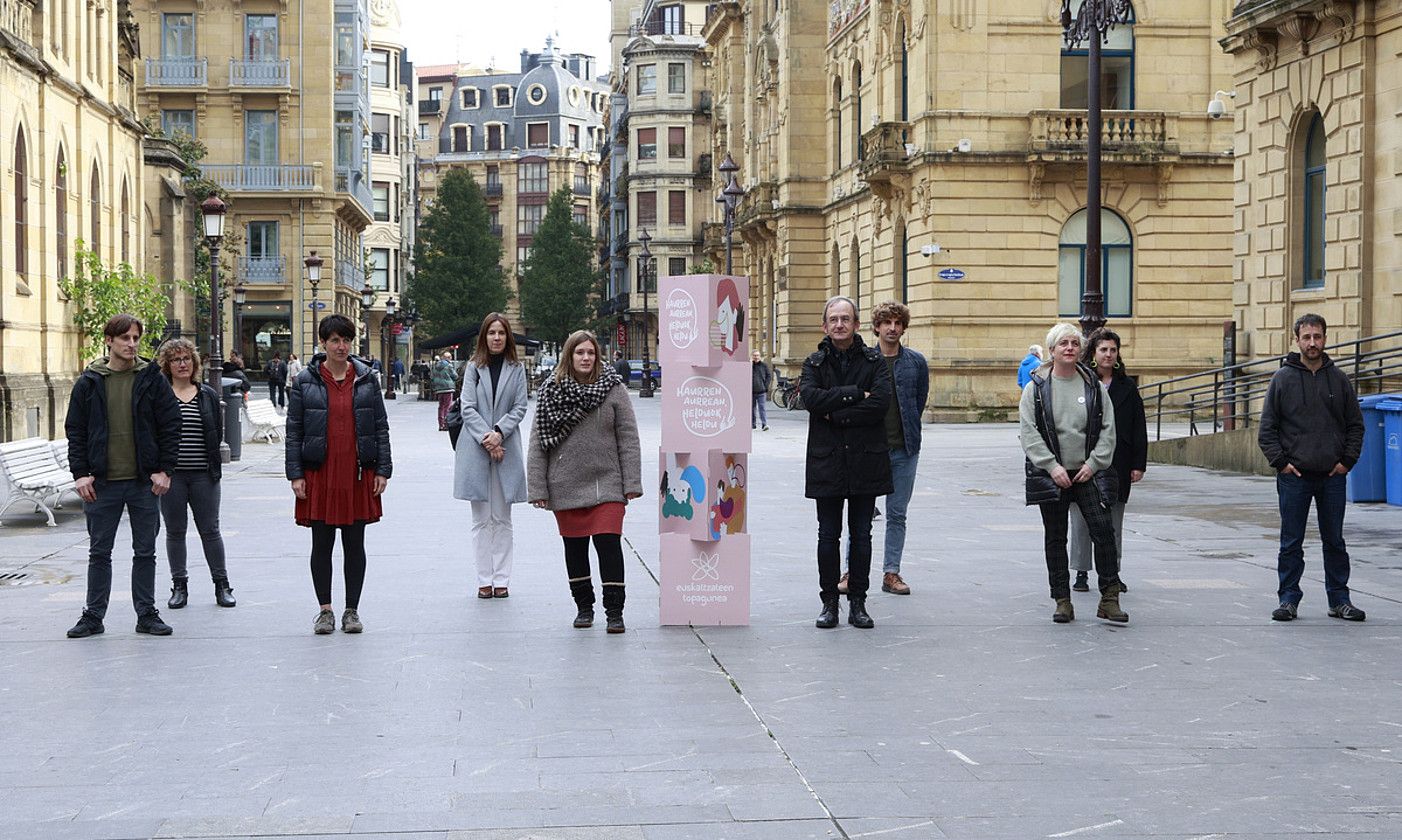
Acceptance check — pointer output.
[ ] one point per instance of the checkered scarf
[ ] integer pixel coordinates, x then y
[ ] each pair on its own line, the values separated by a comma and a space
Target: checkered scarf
562, 404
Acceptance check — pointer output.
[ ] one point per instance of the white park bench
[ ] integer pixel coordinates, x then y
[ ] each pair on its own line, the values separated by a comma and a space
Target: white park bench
263, 420
34, 474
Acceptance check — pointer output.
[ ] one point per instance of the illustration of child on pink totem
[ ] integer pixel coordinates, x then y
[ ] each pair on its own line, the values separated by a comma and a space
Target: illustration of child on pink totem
728, 507
729, 322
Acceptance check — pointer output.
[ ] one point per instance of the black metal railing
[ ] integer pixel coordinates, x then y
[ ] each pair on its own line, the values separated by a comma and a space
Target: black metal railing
493, 188
660, 26
1230, 397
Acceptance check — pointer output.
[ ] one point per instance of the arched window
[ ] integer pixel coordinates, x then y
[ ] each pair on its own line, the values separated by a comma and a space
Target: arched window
854, 272
126, 224
21, 168
837, 124
857, 112
904, 55
61, 213
95, 211
835, 280
1116, 70
1116, 265
1315, 162
900, 245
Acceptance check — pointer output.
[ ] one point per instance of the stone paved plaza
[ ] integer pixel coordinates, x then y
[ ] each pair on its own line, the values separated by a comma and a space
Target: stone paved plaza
965, 714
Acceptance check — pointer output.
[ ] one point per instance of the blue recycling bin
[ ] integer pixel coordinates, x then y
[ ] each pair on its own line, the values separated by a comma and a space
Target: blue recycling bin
1367, 481
1392, 448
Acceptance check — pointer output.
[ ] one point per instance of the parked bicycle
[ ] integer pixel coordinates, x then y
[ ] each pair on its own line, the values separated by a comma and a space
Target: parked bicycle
785, 394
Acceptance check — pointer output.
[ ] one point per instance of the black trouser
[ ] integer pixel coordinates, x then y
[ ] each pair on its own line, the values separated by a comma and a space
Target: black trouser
859, 513
1102, 535
352, 548
193, 490
609, 547
277, 393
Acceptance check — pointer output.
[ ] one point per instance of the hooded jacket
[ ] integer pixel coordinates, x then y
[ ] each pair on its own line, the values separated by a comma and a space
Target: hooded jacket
1310, 419
307, 405
847, 451
155, 421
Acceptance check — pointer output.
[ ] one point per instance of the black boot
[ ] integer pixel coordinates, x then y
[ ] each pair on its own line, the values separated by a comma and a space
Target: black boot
583, 593
223, 594
614, 596
827, 619
179, 593
857, 614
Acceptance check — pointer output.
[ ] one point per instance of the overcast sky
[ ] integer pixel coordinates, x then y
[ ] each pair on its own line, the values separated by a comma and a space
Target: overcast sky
480, 32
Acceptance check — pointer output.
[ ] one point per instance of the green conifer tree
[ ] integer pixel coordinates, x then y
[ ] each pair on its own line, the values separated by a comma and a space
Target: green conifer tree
457, 276
559, 275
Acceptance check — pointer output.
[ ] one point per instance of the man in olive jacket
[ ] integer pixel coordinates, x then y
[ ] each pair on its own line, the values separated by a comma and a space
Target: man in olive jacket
1312, 434
845, 387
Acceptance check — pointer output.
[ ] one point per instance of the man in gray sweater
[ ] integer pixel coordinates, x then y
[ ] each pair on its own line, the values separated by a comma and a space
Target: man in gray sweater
1312, 434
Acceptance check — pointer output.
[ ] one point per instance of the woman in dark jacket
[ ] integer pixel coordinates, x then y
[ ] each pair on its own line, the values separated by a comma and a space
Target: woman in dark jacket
1102, 355
338, 461
194, 484
845, 387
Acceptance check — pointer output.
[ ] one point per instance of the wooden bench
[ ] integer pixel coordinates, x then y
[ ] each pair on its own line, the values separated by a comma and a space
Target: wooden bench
263, 419
34, 474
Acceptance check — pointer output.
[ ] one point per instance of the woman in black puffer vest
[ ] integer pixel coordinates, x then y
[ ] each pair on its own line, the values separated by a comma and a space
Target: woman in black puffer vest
1068, 434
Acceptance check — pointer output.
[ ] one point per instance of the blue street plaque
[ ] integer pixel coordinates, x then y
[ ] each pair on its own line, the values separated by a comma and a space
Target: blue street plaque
951, 274
316, 304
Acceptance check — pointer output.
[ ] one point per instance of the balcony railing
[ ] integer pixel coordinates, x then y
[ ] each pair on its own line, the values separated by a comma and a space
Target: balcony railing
250, 73
350, 274
245, 177
430, 107
1125, 135
581, 188
263, 269
17, 18
177, 72
496, 231
492, 189
658, 26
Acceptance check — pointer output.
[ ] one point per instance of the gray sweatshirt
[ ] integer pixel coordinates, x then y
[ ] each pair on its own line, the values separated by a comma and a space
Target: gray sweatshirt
1069, 409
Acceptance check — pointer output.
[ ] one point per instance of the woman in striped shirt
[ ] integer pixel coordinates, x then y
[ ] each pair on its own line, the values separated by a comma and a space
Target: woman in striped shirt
194, 485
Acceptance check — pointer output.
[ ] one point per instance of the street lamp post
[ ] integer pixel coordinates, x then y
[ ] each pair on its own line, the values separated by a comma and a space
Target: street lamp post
213, 210
240, 296
1092, 23
729, 198
367, 300
313, 265
644, 277
387, 347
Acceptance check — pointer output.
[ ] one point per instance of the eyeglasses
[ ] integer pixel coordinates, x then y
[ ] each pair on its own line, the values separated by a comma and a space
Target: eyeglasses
182, 361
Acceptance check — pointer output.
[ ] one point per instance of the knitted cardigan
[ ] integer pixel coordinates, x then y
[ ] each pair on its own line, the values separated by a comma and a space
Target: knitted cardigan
601, 460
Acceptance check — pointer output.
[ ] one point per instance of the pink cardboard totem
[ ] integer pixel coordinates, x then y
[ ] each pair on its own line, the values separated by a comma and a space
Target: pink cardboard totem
704, 465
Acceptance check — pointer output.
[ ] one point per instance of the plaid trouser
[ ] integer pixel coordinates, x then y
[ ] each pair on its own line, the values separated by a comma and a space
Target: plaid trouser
1102, 535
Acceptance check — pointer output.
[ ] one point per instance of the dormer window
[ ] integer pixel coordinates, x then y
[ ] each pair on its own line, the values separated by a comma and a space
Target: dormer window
501, 95
470, 97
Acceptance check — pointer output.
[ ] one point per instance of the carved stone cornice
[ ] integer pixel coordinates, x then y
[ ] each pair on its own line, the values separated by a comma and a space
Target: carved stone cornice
1263, 26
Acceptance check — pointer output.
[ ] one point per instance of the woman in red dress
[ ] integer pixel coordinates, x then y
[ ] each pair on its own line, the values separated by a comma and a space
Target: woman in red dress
585, 463
338, 460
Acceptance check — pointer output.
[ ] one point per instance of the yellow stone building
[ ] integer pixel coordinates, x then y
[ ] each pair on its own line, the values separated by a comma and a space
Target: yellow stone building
70, 169
935, 153
280, 97
1317, 201
389, 240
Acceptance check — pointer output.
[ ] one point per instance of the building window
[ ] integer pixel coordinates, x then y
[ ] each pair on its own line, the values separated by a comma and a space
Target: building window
345, 139
837, 125
263, 247
501, 95
379, 134
423, 132
260, 37
528, 218
435, 94
673, 20
178, 122
95, 211
676, 266
462, 138
854, 271
61, 213
494, 219
574, 137
581, 215
21, 168
647, 144
347, 53
647, 209
471, 99
1316, 162
534, 178
125, 221
260, 138
538, 135
379, 68
494, 178
380, 191
857, 142
676, 207
1116, 265
535, 94
676, 78
903, 262
676, 142
647, 79
523, 254
495, 137
379, 269
1116, 71
178, 36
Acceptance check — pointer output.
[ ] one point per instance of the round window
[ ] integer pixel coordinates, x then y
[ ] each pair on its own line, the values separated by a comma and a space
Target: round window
575, 94
536, 94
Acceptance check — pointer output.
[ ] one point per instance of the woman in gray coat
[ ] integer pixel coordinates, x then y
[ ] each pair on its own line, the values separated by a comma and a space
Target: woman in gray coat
489, 469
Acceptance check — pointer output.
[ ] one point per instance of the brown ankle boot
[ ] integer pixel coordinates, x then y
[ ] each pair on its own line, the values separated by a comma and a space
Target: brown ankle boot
1064, 611
1109, 608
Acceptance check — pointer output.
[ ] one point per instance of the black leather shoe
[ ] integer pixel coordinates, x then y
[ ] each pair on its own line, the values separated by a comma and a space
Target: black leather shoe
151, 624
1348, 612
857, 616
223, 593
1286, 612
1082, 584
827, 619
584, 619
87, 625
179, 593
614, 623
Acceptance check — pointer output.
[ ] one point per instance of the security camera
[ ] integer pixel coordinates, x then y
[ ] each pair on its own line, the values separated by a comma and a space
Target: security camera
1216, 108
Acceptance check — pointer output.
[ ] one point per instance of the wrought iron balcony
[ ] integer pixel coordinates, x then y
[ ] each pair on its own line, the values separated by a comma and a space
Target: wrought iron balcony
581, 188
263, 269
1125, 136
244, 177
493, 189
616, 305
430, 107
177, 72
260, 74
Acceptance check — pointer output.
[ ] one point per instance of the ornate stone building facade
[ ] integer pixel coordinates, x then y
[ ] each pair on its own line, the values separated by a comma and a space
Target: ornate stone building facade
1318, 207
389, 240
937, 155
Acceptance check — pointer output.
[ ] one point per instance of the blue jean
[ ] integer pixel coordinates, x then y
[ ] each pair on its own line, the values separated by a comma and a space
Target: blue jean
903, 468
104, 514
1328, 495
758, 410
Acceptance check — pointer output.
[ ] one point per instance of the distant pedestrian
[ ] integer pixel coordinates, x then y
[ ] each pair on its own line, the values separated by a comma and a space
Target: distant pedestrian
1102, 355
233, 369
621, 367
1036, 356
845, 387
123, 428
585, 464
396, 369
489, 470
294, 367
276, 372
1068, 434
760, 378
195, 483
338, 460
443, 382
1312, 434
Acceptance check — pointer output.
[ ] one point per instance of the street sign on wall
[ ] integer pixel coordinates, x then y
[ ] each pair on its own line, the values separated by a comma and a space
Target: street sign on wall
951, 274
